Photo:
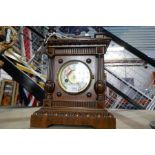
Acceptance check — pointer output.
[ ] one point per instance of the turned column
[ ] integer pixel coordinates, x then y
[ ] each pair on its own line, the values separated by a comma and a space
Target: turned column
49, 85
100, 83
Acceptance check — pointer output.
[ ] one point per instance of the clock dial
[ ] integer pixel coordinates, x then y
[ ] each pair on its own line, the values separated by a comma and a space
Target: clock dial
74, 77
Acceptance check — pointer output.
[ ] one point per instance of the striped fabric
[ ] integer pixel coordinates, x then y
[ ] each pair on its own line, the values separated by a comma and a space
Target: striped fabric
27, 43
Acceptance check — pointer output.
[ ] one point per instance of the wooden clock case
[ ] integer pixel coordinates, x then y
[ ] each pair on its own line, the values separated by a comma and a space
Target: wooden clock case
84, 108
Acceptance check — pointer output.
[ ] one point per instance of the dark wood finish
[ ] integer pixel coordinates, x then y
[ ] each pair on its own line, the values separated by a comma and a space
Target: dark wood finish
79, 41
86, 107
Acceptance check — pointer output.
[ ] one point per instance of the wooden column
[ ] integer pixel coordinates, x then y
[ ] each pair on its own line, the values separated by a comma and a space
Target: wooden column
100, 84
49, 85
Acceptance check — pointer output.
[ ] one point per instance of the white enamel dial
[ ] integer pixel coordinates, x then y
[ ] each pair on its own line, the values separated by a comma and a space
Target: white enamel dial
74, 77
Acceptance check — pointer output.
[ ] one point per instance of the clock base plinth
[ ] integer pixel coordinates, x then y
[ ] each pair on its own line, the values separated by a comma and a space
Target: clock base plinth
96, 118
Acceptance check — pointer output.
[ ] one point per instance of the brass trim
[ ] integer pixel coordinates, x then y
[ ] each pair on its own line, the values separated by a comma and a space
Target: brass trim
59, 80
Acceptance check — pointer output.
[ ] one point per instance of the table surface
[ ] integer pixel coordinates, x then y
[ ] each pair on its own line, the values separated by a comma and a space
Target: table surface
19, 118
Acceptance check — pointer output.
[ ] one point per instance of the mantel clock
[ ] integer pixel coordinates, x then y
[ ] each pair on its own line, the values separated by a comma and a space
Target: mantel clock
75, 86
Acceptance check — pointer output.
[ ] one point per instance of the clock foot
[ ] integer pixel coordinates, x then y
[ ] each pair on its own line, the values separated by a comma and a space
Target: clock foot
39, 120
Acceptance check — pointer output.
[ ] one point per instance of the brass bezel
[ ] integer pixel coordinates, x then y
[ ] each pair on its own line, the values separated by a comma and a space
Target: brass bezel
59, 80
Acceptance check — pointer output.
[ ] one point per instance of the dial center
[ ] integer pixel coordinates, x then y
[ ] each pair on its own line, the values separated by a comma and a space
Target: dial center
73, 78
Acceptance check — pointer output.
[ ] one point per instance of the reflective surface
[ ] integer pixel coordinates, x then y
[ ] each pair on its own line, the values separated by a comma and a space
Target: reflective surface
74, 77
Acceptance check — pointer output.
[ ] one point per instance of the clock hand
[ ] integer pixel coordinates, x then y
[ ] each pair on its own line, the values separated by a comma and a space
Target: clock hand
69, 72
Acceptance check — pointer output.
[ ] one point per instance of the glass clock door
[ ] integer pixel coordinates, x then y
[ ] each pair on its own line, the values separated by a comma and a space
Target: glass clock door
74, 77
